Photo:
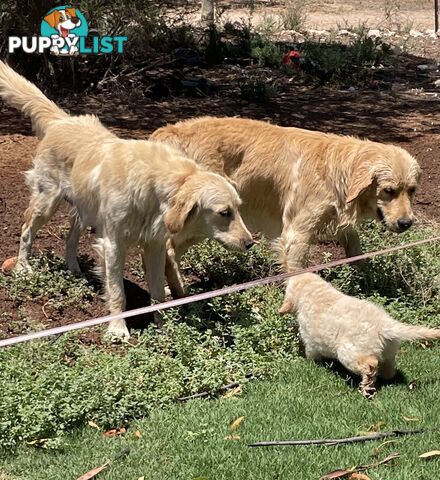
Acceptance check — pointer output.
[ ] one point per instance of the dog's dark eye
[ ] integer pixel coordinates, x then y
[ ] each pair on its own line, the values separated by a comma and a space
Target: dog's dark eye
68, 17
225, 213
412, 190
389, 190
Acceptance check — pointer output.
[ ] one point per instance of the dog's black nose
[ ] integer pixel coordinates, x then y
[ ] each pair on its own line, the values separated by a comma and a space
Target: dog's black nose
75, 20
404, 223
248, 245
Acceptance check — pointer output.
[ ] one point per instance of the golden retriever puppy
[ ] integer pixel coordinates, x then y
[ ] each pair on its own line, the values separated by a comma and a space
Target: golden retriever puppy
133, 192
298, 185
357, 333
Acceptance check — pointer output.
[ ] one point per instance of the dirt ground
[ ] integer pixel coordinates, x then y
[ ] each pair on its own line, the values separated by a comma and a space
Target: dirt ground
404, 115
331, 14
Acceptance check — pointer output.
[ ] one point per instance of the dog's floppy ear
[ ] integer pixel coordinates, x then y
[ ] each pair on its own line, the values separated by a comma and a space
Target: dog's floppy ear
71, 12
53, 18
286, 307
177, 215
361, 179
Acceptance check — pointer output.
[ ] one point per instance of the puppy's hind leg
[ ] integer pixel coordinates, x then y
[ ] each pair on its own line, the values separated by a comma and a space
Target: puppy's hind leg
368, 368
365, 365
41, 208
387, 367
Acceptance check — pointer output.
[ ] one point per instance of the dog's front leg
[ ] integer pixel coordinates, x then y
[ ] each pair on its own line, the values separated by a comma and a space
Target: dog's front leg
113, 254
349, 240
153, 257
173, 276
294, 249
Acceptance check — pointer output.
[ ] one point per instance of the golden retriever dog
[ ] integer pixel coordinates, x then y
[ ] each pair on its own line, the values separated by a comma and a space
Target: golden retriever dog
298, 185
357, 333
133, 192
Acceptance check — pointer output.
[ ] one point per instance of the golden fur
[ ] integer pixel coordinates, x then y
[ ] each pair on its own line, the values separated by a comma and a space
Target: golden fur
357, 333
297, 185
133, 192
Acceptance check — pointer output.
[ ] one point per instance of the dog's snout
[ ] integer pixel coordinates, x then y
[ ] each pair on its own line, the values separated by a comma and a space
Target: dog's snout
404, 223
75, 20
249, 244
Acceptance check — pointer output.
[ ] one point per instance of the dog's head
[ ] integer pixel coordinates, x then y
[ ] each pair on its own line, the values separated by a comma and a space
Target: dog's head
207, 206
383, 183
63, 20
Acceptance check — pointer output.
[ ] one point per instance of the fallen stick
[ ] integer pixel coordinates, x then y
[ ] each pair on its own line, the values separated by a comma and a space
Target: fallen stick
206, 394
337, 441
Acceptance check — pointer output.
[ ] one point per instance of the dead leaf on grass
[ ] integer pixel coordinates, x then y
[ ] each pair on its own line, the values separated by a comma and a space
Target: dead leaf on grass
232, 392
411, 419
431, 454
92, 473
376, 427
359, 476
236, 423
232, 437
137, 434
39, 442
376, 450
114, 432
93, 424
336, 474
390, 457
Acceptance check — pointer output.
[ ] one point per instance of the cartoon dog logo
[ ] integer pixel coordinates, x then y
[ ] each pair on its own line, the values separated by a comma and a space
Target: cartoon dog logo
63, 25
63, 20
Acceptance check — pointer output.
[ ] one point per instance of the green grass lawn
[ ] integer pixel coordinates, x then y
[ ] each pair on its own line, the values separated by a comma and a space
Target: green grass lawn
303, 400
53, 389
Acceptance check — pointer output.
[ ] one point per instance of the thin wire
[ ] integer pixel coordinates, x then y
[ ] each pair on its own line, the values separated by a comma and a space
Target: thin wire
204, 296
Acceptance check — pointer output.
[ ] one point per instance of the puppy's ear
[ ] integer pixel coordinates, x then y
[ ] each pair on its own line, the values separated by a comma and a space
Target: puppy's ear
286, 307
53, 18
178, 214
361, 179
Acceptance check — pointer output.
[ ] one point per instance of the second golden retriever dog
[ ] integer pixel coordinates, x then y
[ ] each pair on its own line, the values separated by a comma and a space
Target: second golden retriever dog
133, 192
298, 184
357, 333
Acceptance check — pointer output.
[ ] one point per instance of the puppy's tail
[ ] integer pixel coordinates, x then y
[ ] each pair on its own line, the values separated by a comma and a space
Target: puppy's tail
17, 92
401, 332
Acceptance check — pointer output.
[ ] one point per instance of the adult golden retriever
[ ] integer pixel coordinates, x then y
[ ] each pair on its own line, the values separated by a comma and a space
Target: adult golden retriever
298, 184
133, 192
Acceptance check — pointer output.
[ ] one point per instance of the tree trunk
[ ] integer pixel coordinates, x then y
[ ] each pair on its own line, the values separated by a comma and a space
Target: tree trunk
208, 12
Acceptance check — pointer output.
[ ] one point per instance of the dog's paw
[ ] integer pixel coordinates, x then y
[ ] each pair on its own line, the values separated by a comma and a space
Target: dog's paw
368, 392
74, 268
117, 331
22, 267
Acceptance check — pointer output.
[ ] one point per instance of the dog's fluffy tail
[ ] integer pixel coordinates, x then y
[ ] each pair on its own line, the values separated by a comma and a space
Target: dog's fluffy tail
401, 332
26, 97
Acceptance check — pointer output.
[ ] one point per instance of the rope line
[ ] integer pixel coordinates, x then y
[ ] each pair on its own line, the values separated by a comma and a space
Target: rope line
206, 295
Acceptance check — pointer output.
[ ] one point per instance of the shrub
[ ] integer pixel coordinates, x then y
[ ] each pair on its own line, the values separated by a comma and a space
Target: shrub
294, 16
335, 62
258, 89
